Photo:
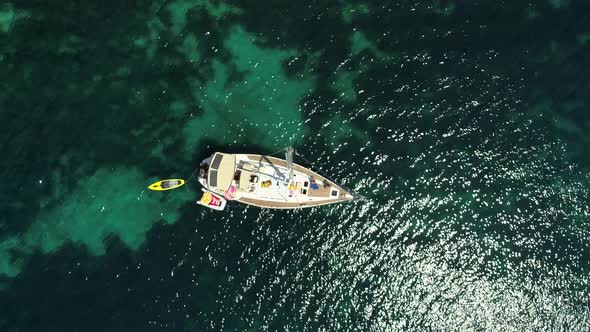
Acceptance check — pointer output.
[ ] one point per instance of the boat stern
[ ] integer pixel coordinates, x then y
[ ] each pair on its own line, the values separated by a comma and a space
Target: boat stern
204, 171
216, 173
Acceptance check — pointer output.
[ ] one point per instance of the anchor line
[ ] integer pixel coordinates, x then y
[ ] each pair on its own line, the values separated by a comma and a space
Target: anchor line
188, 180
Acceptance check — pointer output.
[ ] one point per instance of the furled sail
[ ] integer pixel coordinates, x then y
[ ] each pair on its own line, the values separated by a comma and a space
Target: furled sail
289, 157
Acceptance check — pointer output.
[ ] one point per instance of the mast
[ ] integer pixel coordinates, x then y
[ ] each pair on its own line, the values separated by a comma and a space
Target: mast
289, 157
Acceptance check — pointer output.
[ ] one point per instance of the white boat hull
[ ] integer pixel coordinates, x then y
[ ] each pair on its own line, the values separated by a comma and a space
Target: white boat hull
265, 182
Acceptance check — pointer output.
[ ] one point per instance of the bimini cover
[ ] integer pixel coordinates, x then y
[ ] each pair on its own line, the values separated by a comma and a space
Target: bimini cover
221, 172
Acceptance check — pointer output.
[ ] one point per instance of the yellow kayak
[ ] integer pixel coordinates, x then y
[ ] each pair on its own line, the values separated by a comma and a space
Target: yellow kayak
166, 184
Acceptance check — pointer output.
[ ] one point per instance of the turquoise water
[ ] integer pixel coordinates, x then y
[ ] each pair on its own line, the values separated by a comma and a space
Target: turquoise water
465, 126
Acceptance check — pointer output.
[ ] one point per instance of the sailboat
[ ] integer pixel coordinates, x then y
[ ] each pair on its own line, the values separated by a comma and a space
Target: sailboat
266, 181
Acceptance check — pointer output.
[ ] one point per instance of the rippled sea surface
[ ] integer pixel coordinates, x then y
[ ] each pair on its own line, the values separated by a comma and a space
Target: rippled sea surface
465, 125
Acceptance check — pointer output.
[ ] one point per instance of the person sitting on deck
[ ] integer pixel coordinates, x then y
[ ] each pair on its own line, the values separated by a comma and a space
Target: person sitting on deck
312, 184
203, 170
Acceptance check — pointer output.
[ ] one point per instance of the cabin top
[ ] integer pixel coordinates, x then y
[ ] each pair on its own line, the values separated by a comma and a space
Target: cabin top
221, 171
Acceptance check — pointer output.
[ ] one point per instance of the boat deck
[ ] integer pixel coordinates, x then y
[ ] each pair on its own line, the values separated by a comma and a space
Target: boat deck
264, 181
312, 197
